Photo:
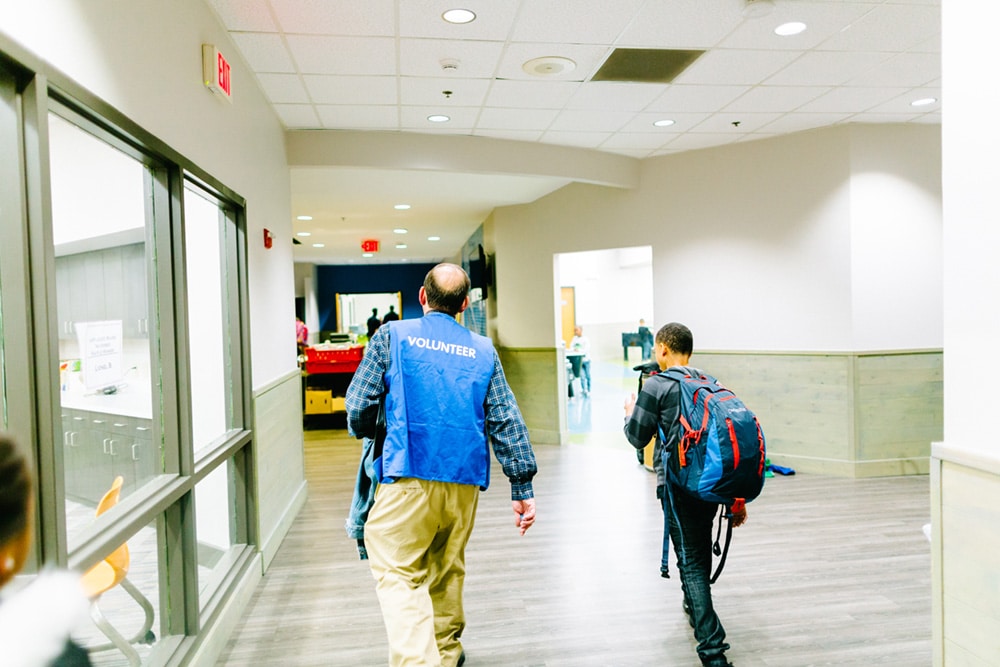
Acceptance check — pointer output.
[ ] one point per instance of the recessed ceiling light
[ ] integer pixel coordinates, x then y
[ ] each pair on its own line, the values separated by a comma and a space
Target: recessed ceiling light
924, 101
666, 122
790, 28
401, 207
399, 230
319, 245
438, 118
459, 16
433, 238
367, 254
401, 246
303, 217
304, 234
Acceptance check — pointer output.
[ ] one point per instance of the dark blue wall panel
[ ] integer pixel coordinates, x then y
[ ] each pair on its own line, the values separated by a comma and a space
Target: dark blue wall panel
404, 278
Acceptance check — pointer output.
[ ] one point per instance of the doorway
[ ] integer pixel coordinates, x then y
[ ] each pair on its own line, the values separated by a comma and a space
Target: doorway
605, 293
354, 310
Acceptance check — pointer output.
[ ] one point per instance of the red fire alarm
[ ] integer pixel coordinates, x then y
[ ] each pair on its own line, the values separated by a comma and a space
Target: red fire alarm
268, 239
369, 245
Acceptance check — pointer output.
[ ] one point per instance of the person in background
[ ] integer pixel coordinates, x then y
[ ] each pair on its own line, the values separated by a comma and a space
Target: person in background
445, 396
581, 344
373, 323
646, 340
35, 622
391, 316
301, 334
656, 411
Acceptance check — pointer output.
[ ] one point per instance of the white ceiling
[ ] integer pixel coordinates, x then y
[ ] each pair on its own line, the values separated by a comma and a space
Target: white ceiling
376, 65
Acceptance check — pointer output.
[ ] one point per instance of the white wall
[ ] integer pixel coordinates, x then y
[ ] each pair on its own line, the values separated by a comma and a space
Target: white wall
144, 58
766, 222
896, 237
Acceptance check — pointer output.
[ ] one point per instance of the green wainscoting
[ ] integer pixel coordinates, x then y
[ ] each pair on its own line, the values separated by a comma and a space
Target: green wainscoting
538, 378
280, 470
853, 414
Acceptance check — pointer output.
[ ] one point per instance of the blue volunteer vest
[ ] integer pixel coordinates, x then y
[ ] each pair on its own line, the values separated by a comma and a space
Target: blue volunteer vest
438, 376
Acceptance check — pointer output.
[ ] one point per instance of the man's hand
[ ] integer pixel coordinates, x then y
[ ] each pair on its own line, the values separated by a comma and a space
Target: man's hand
740, 517
629, 405
524, 514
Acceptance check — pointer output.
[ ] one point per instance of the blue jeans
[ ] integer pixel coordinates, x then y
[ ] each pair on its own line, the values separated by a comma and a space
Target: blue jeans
691, 531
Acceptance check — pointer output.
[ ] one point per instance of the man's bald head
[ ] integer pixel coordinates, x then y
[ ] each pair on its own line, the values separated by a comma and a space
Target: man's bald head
446, 287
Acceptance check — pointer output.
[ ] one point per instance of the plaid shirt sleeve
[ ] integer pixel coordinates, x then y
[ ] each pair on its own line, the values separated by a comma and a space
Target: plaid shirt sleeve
507, 429
367, 386
656, 404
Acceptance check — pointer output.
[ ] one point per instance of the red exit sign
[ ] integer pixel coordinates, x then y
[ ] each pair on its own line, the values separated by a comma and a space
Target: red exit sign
217, 71
369, 245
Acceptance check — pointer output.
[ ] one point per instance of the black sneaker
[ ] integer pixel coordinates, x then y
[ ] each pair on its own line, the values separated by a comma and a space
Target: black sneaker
461, 659
718, 660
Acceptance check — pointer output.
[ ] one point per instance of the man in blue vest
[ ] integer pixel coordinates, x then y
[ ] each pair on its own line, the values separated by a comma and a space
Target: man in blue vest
445, 397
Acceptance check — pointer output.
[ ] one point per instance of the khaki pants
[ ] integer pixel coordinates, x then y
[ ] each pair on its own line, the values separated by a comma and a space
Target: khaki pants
416, 535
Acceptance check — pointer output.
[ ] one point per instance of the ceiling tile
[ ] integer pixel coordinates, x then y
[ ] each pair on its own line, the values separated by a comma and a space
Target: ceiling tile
344, 55
883, 117
796, 122
735, 66
615, 95
823, 19
581, 120
298, 116
699, 98
587, 58
416, 91
336, 17
264, 52
283, 88
826, 68
422, 57
643, 122
888, 28
366, 90
578, 22
422, 18
462, 118
905, 69
776, 98
902, 103
531, 94
851, 100
245, 15
737, 123
579, 139
516, 119
359, 117
684, 24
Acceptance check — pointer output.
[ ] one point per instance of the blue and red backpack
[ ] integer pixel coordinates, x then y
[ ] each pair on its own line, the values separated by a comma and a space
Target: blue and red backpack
720, 456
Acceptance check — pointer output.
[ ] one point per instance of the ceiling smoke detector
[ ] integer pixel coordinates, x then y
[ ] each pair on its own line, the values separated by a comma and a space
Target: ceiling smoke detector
449, 65
548, 66
755, 9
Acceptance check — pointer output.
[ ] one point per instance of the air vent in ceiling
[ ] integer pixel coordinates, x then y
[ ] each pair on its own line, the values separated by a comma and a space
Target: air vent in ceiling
645, 65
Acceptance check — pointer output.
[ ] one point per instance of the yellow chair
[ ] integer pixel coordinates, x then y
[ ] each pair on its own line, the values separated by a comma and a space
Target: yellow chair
111, 572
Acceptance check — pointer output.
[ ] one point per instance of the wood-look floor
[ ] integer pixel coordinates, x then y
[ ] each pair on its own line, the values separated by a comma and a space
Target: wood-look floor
826, 572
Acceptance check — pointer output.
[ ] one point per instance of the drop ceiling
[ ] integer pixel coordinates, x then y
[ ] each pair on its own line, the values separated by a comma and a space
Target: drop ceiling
385, 66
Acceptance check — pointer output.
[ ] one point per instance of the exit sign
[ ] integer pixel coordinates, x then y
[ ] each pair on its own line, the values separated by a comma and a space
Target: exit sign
217, 71
369, 245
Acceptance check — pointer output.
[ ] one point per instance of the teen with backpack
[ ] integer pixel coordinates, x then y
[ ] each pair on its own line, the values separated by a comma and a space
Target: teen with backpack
682, 408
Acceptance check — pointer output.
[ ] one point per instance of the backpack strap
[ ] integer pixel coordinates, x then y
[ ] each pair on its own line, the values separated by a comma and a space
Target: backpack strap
726, 513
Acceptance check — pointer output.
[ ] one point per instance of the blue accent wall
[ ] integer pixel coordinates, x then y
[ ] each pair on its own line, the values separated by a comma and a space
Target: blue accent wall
404, 278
